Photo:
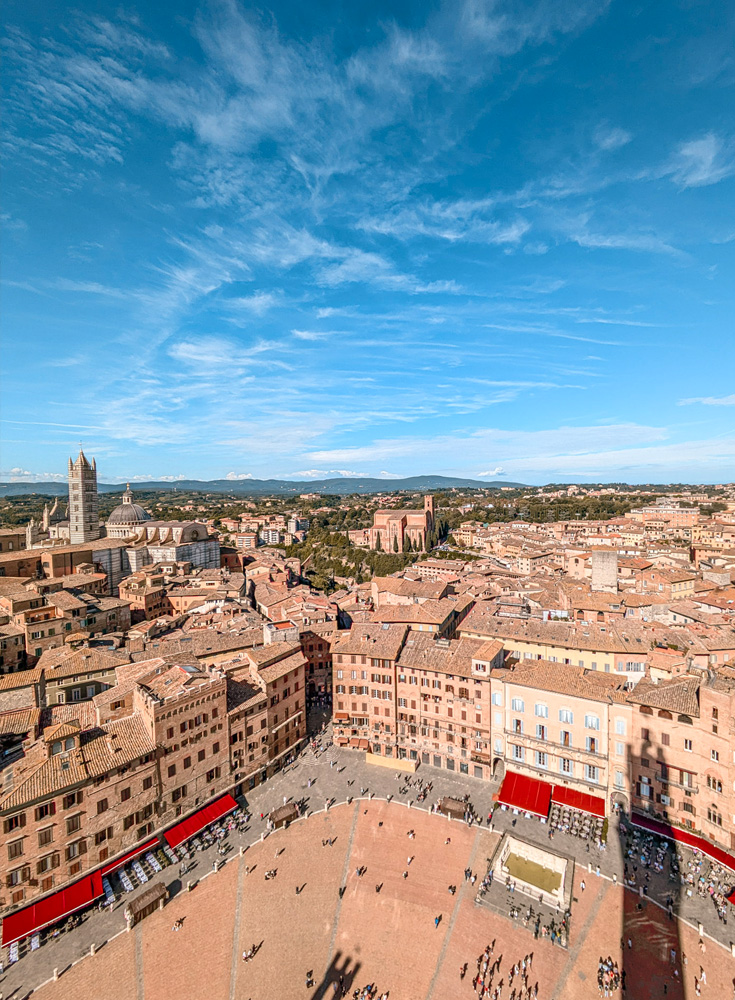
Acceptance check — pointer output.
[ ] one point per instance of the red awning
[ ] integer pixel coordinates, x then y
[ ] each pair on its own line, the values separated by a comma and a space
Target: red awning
731, 897
118, 862
684, 837
578, 800
52, 909
354, 742
363, 744
193, 824
526, 794
342, 716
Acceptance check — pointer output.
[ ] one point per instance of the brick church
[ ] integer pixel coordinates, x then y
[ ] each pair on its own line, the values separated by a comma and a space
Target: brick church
397, 525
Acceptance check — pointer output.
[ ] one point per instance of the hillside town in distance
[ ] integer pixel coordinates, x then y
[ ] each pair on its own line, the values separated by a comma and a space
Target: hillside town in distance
570, 649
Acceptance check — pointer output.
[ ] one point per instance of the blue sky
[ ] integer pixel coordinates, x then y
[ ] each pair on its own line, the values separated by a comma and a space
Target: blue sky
492, 239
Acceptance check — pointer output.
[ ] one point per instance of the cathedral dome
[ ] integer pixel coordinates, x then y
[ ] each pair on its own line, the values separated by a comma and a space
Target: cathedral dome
128, 514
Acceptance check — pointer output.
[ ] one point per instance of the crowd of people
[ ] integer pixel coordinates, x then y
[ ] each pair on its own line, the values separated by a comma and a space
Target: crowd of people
609, 977
518, 977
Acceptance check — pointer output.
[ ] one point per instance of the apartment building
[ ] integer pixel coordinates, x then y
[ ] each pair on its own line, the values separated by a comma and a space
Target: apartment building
146, 593
443, 703
681, 753
438, 569
439, 617
587, 645
316, 645
278, 672
565, 725
161, 743
363, 674
676, 585
414, 696
76, 675
12, 648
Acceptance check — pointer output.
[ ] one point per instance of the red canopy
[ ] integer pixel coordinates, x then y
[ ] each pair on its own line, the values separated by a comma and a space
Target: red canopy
684, 837
52, 909
578, 800
198, 820
112, 865
731, 897
526, 794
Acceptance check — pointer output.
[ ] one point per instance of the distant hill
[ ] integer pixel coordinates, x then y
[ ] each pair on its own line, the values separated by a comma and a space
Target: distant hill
249, 487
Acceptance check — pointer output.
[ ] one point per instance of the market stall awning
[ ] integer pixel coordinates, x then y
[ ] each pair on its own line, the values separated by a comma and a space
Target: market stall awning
731, 897
197, 821
578, 800
133, 853
684, 837
52, 909
525, 793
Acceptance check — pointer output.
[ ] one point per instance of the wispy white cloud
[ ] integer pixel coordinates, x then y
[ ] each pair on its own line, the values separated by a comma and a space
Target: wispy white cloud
324, 474
11, 223
603, 451
709, 400
239, 475
21, 475
259, 303
700, 162
314, 335
610, 137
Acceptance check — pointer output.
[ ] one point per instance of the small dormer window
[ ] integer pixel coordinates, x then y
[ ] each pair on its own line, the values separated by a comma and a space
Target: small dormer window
69, 743
56, 747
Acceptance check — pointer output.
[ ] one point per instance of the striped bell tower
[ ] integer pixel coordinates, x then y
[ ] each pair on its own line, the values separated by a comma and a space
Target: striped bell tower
84, 519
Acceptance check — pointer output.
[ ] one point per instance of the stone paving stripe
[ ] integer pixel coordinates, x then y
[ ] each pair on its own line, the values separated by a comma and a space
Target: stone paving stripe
453, 918
236, 930
343, 881
139, 982
581, 938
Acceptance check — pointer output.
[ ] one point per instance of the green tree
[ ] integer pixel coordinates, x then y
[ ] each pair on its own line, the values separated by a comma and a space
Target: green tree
378, 544
395, 543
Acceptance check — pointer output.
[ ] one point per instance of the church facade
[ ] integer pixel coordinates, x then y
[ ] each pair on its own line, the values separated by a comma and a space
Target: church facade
393, 529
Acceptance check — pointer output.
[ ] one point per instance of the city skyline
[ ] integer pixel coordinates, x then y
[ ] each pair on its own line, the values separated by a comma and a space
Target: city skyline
492, 241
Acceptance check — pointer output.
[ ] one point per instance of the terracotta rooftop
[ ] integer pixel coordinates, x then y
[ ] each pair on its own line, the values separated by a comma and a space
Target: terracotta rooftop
376, 640
422, 651
680, 695
562, 678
